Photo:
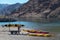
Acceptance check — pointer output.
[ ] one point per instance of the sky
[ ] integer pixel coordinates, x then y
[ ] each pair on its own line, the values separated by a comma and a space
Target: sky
12, 1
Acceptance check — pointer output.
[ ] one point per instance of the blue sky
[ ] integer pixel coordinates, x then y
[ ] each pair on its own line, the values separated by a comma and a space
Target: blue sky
12, 1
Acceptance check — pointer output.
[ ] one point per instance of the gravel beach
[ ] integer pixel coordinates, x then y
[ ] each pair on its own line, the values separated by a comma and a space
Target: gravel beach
5, 35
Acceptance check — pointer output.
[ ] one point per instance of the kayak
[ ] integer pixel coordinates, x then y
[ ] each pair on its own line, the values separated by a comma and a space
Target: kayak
43, 32
41, 35
34, 31
47, 35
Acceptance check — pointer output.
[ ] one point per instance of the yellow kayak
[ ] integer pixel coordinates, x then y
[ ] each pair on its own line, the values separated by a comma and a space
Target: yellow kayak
40, 35
47, 35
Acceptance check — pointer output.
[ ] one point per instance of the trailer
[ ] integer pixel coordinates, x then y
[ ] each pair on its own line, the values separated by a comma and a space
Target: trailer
14, 28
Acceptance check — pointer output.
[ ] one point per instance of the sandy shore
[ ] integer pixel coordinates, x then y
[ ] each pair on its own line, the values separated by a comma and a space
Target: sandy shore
5, 35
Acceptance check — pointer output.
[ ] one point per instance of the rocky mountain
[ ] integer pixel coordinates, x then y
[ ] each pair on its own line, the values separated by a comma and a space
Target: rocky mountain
10, 9
40, 6
43, 9
7, 10
2, 6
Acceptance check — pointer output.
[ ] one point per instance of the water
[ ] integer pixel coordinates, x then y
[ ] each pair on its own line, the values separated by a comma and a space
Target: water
51, 27
37, 25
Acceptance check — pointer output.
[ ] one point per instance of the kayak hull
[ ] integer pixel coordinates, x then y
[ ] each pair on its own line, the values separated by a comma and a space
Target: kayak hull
41, 35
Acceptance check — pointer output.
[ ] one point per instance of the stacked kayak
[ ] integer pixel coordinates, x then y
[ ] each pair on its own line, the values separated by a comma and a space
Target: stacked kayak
38, 33
41, 35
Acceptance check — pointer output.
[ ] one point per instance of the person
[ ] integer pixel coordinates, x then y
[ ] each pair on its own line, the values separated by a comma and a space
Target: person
19, 27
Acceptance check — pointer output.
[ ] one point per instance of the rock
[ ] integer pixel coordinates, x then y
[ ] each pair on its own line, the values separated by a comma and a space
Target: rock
39, 7
45, 9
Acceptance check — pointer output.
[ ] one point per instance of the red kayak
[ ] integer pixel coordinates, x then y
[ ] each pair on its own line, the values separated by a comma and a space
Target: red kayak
43, 32
34, 31
38, 32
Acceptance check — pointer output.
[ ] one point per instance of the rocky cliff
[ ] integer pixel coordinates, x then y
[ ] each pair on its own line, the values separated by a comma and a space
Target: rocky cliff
40, 8
44, 9
9, 9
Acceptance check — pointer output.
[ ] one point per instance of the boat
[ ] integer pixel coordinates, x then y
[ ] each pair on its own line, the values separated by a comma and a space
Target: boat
40, 35
35, 31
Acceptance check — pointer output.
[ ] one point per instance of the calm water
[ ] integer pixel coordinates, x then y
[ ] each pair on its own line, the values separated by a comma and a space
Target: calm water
37, 25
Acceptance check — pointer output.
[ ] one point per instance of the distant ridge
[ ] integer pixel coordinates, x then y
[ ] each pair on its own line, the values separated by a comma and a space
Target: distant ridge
10, 9
2, 6
43, 9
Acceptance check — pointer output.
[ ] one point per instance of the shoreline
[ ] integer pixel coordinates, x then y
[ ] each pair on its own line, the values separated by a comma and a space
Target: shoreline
5, 36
